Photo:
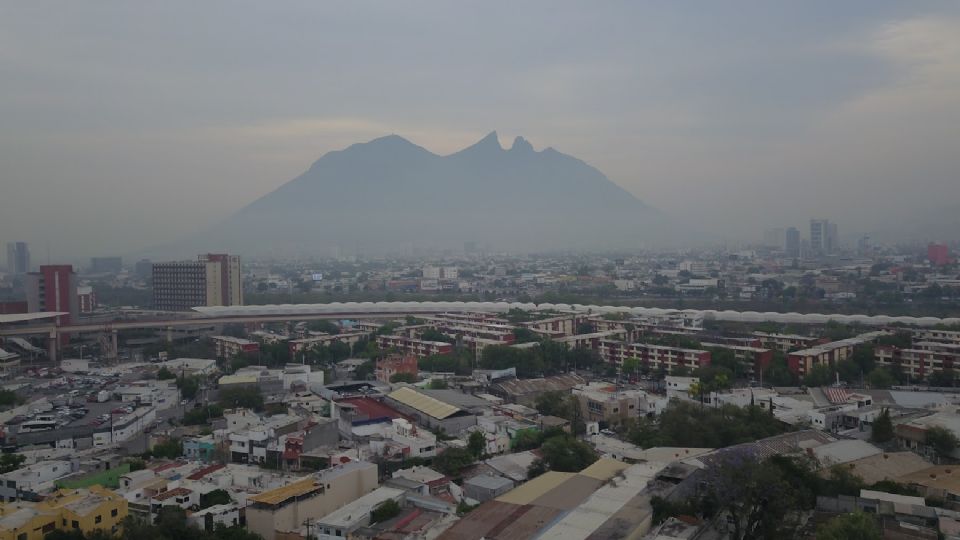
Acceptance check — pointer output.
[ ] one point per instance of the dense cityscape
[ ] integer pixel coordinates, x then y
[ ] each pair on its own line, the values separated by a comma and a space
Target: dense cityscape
486, 395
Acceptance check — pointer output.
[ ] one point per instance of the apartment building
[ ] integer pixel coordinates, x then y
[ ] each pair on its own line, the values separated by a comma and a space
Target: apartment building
754, 359
33, 480
395, 364
214, 279
85, 510
653, 357
229, 347
562, 325
921, 360
285, 509
932, 334
417, 347
603, 402
803, 361
53, 288
298, 346
785, 342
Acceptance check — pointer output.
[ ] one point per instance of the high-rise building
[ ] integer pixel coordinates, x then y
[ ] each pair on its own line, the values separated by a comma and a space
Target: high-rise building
18, 258
86, 299
823, 237
53, 288
791, 242
106, 265
213, 279
938, 254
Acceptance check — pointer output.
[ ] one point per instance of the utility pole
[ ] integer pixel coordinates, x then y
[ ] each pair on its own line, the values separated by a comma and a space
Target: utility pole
309, 524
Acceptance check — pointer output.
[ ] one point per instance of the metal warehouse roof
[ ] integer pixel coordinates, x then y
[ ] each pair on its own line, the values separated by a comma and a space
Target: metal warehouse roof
423, 403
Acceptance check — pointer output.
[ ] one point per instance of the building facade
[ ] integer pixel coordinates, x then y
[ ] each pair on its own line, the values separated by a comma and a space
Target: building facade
395, 364
18, 258
54, 288
214, 279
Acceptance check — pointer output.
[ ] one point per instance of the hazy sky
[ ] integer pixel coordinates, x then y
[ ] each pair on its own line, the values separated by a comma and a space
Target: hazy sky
128, 124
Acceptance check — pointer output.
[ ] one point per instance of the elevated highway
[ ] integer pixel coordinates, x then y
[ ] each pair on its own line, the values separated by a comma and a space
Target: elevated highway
378, 310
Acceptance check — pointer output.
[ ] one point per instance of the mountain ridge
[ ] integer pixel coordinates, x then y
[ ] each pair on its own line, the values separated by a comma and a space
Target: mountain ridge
390, 192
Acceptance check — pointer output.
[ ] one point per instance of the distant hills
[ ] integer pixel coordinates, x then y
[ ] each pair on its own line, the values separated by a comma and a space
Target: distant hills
389, 194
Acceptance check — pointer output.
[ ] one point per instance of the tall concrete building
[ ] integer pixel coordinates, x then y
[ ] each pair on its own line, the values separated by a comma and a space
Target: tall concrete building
18, 258
791, 242
53, 288
823, 237
213, 279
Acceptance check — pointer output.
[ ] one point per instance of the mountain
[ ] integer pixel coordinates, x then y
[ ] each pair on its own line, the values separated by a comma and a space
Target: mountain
388, 194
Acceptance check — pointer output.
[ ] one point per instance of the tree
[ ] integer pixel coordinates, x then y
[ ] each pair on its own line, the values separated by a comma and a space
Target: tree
364, 370
189, 386
477, 443
165, 374
11, 462
567, 454
384, 511
631, 366
453, 460
215, 497
169, 449
941, 440
946, 377
880, 378
882, 427
754, 494
9, 398
403, 377
245, 397
553, 403
820, 375
855, 526
438, 384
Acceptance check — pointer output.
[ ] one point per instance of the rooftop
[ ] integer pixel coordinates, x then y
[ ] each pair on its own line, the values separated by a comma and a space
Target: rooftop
296, 489
423, 403
359, 510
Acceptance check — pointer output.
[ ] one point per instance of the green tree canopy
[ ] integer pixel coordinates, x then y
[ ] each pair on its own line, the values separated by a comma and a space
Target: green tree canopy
882, 427
941, 440
855, 526
452, 460
403, 377
880, 377
567, 454
477, 443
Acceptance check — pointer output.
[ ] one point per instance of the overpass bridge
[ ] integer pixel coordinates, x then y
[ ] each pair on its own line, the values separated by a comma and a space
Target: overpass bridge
377, 310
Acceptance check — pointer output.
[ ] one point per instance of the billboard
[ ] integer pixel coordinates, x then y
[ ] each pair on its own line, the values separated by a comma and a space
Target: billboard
317, 276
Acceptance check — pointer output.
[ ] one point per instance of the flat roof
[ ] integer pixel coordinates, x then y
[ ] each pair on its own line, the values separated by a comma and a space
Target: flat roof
604, 469
423, 403
532, 490
358, 510
280, 494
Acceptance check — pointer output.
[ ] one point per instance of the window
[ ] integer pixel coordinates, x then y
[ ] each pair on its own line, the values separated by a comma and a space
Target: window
98, 519
113, 513
75, 524
22, 536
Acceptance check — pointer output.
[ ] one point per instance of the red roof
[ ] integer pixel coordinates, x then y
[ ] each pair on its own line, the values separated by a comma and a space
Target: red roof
167, 466
200, 473
172, 493
373, 408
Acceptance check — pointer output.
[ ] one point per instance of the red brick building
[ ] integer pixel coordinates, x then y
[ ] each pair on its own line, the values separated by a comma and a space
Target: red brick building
394, 364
